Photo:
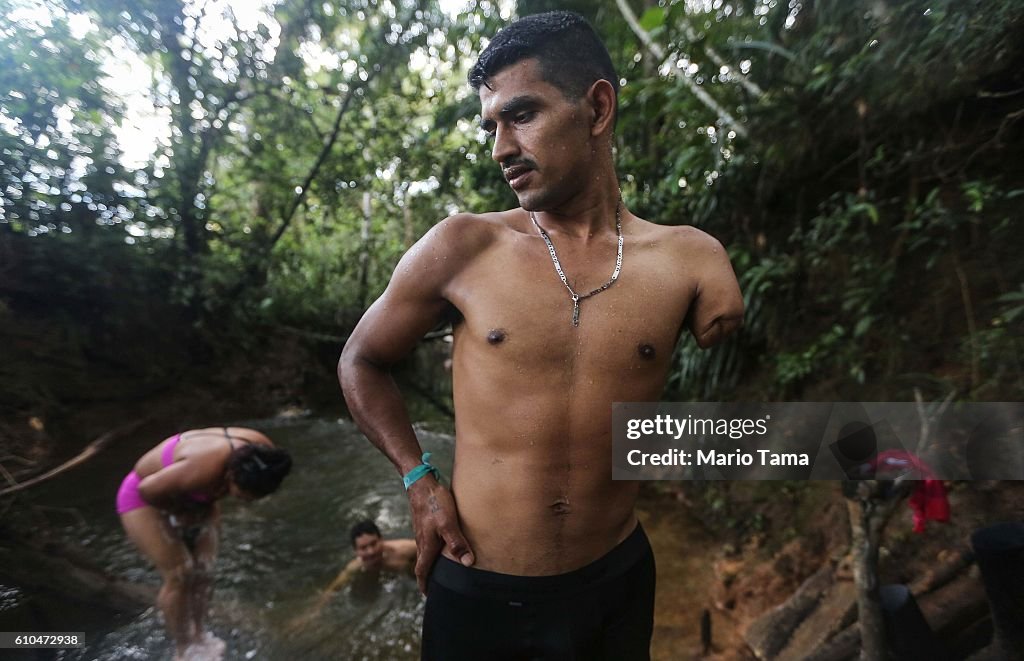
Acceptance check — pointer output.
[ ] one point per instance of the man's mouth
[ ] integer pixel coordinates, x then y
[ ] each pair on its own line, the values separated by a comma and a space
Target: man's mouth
517, 175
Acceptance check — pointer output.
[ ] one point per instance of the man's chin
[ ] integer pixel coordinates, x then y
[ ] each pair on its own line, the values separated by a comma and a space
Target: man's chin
531, 201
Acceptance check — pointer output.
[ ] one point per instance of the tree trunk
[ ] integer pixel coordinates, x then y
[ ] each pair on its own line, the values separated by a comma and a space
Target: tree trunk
865, 573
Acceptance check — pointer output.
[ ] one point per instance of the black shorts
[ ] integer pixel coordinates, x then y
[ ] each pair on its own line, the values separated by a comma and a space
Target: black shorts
603, 611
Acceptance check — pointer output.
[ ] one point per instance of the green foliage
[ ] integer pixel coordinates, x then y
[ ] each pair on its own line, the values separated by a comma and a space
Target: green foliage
868, 211
58, 160
859, 161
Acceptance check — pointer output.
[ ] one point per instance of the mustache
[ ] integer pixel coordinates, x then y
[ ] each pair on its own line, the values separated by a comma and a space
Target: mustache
518, 163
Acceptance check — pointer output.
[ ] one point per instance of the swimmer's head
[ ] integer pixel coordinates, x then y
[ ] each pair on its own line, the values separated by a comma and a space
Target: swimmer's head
256, 470
367, 543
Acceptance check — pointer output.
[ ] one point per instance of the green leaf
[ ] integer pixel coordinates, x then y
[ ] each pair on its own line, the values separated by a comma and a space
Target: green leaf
862, 326
868, 208
653, 18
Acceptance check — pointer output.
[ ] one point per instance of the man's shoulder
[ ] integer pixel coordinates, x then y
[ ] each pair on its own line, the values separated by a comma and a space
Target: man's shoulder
678, 237
469, 230
401, 545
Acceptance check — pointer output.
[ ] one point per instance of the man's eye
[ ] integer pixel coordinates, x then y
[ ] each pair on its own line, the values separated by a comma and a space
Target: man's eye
523, 117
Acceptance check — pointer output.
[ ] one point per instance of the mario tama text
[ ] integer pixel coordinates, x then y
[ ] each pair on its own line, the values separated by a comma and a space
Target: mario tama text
817, 441
736, 457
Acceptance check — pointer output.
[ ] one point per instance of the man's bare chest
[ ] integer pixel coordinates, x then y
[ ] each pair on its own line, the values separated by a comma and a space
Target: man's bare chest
515, 308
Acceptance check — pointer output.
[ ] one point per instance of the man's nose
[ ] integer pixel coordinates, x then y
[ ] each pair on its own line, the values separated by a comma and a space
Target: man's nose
504, 145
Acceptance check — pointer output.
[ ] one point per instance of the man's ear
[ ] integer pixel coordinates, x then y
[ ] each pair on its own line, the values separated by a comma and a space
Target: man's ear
601, 97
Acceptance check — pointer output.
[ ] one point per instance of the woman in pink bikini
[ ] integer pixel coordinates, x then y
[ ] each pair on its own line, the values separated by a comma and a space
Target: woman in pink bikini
168, 506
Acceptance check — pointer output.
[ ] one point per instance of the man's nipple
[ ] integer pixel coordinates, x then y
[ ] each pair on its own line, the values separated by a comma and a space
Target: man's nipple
646, 351
496, 336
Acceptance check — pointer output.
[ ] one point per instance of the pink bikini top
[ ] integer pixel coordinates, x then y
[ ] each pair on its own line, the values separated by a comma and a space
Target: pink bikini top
167, 458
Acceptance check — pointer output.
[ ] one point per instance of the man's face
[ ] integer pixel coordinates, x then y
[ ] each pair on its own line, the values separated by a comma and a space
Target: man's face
541, 140
369, 550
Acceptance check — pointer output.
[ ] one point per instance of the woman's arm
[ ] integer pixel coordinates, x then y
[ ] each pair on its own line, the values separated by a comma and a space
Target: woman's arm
170, 488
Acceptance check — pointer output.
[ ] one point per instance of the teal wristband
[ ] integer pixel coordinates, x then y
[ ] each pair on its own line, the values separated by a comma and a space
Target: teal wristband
420, 471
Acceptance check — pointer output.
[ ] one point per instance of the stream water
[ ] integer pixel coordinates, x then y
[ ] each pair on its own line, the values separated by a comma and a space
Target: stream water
277, 554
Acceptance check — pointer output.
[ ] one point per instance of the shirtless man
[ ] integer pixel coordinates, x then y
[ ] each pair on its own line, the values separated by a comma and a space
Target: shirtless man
375, 554
541, 555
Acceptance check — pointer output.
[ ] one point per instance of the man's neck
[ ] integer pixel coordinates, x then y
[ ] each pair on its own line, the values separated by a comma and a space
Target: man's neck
587, 216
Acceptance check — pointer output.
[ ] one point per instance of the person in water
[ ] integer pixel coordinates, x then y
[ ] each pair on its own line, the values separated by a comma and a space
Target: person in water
374, 555
168, 506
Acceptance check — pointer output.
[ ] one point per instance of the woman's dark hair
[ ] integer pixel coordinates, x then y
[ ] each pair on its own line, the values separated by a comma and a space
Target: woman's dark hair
258, 469
571, 55
366, 527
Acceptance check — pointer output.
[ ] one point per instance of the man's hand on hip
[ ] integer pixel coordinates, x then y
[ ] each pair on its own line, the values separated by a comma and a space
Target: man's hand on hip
436, 522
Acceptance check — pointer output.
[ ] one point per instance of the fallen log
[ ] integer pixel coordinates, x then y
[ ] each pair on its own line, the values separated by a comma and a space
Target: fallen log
845, 645
948, 610
950, 565
836, 610
768, 634
955, 606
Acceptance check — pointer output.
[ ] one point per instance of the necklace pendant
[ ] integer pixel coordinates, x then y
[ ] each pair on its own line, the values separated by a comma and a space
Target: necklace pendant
576, 298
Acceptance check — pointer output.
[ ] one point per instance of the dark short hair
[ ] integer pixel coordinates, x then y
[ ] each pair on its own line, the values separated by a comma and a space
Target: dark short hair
571, 55
259, 469
366, 527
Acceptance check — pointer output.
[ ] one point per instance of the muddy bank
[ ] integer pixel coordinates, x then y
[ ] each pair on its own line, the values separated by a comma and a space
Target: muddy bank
742, 550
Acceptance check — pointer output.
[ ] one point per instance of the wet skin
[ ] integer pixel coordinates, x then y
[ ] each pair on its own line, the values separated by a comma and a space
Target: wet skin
532, 485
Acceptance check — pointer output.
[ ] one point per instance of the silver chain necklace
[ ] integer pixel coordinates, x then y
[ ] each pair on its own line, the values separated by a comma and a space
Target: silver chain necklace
576, 298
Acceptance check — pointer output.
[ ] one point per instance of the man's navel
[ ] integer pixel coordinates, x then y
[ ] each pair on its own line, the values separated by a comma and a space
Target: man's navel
560, 507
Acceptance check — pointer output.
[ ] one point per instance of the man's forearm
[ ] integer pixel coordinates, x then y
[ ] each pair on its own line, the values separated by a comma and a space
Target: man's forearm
377, 406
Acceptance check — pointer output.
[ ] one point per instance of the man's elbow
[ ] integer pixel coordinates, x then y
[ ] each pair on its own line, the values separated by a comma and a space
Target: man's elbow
345, 363
348, 366
353, 365
719, 329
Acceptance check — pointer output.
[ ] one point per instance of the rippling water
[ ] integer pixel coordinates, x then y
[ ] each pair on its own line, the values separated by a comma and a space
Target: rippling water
275, 555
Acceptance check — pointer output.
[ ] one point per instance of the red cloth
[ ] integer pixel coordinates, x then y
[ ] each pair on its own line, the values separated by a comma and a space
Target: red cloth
929, 501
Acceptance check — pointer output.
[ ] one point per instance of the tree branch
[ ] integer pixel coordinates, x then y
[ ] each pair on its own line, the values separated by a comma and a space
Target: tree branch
86, 454
321, 157
753, 88
655, 49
